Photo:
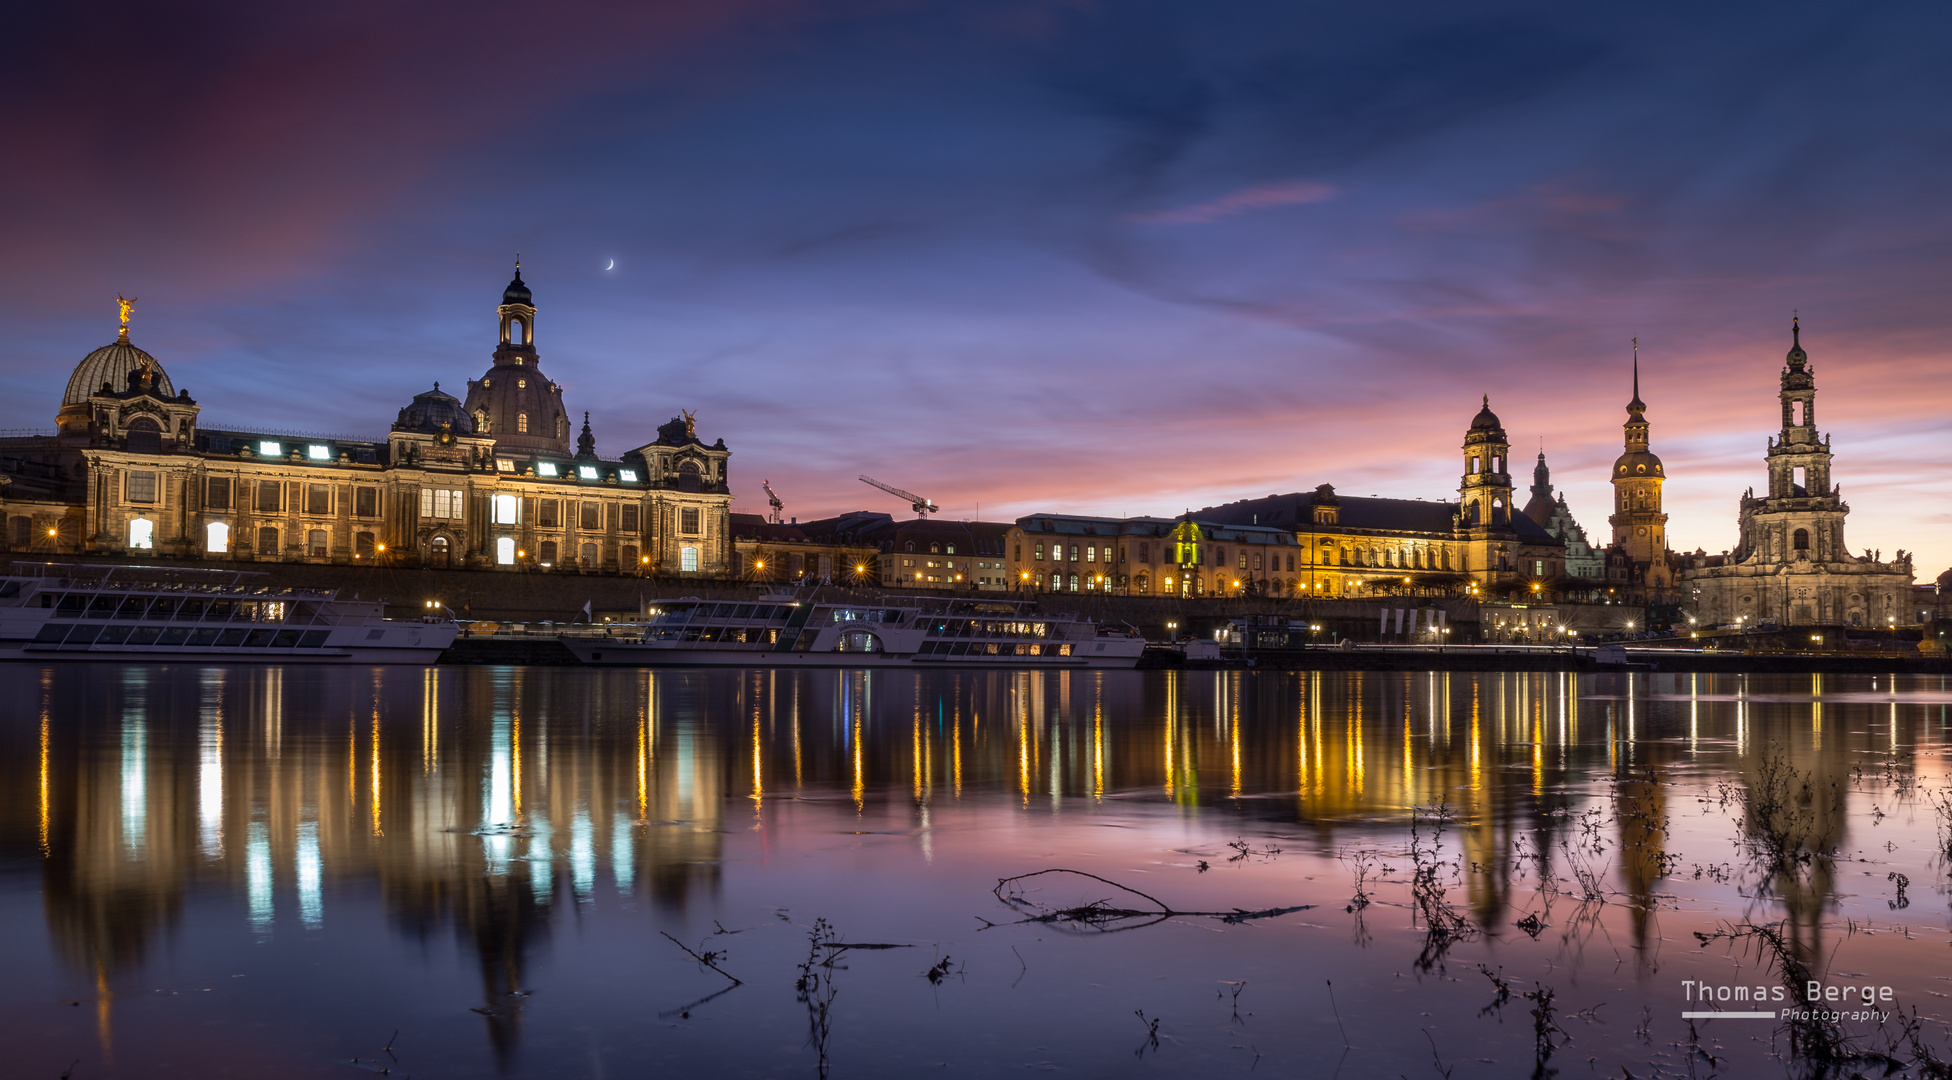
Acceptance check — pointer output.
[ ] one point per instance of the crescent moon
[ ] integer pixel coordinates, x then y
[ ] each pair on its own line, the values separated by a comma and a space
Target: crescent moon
612, 266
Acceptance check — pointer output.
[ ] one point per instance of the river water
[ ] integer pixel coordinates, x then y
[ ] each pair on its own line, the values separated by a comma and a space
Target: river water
464, 872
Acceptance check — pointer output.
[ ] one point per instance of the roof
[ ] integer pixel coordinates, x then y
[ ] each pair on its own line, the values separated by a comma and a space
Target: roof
1296, 511
112, 364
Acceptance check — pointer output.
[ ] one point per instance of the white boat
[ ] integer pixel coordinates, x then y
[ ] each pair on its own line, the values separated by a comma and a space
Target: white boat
153, 614
897, 632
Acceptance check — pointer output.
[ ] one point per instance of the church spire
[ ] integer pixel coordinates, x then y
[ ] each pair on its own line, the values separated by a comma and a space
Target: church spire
1636, 406
586, 442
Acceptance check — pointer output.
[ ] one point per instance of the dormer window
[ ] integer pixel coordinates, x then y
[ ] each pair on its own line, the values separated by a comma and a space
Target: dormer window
270, 449
587, 472
503, 464
628, 476
545, 468
318, 453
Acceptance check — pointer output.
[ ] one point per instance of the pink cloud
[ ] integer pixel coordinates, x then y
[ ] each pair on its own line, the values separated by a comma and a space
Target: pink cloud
1246, 200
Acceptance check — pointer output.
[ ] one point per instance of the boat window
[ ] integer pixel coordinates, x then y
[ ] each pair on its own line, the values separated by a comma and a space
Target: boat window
103, 607
132, 608
219, 610
191, 611
163, 608
144, 635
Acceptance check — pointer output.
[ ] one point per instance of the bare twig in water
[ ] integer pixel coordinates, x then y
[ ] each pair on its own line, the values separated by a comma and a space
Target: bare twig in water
1545, 1026
816, 990
683, 1012
1151, 1033
1361, 863
709, 959
1443, 1070
1103, 916
1338, 1014
1025, 968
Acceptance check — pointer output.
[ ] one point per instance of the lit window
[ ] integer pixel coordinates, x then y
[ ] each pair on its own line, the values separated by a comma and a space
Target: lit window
545, 468
587, 472
142, 533
318, 453
521, 421
505, 551
271, 449
688, 559
216, 536
628, 476
503, 464
506, 510
521, 384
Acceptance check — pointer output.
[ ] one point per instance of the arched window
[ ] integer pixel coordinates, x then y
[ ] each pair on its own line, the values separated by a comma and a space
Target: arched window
1141, 583
216, 536
268, 541
506, 510
547, 553
437, 555
627, 558
522, 421
589, 556
910, 547
481, 421
1800, 539
504, 549
688, 559
142, 533
315, 543
145, 436
363, 546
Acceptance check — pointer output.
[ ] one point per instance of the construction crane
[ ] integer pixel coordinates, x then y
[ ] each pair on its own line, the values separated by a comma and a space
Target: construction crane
774, 499
922, 507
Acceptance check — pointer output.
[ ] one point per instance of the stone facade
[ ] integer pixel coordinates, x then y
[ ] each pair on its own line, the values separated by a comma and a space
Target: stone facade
489, 484
1790, 566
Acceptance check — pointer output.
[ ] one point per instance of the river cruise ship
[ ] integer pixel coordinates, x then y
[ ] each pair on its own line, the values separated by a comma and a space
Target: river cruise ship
904, 632
147, 614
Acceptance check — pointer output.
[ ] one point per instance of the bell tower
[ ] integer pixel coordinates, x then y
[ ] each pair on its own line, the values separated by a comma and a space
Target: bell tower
1639, 523
515, 403
517, 312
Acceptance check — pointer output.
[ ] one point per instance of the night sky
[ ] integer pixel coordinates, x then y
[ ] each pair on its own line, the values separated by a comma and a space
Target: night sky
1092, 257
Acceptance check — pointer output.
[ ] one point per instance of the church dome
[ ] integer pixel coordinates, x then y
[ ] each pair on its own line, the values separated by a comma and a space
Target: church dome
112, 364
1638, 463
518, 292
1487, 421
428, 412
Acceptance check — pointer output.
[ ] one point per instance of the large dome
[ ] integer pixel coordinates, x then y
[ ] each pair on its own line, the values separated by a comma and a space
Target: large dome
428, 413
112, 364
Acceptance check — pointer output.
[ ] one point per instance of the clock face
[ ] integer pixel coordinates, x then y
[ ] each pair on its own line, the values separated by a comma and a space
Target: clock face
1641, 531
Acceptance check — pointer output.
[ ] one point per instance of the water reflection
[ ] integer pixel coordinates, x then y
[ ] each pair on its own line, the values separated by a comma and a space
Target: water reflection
486, 801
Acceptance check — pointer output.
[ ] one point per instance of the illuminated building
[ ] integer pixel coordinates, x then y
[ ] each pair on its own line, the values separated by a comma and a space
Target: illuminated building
1150, 556
1352, 546
490, 483
1555, 517
1637, 559
1790, 565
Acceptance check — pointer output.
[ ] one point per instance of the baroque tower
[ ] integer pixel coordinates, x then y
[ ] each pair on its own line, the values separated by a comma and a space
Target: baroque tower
515, 403
1801, 519
1790, 566
1484, 494
1639, 524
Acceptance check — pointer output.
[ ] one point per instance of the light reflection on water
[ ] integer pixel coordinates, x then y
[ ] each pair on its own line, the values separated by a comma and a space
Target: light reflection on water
484, 858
